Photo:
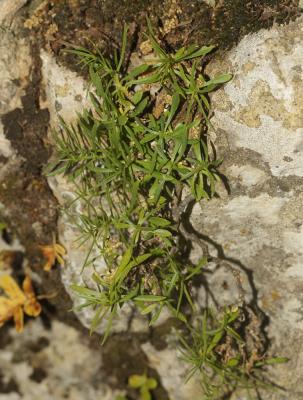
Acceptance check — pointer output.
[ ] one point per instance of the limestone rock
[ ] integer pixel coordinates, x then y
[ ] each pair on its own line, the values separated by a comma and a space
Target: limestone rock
8, 8
259, 132
15, 62
261, 108
45, 362
173, 373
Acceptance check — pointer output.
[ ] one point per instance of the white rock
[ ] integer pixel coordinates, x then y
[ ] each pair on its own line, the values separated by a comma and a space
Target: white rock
61, 357
8, 8
261, 108
66, 92
259, 122
6, 149
15, 63
173, 373
246, 174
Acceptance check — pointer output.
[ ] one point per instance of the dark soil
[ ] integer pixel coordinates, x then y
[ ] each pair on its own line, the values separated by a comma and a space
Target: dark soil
124, 358
30, 207
25, 192
7, 387
179, 22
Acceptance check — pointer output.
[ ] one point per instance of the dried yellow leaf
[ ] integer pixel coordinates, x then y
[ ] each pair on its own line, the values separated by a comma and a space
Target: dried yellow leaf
19, 319
11, 288
16, 302
52, 253
31, 306
7, 309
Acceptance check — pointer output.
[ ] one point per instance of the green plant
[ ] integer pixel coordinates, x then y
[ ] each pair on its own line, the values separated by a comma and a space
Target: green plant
120, 397
144, 384
215, 349
130, 166
3, 226
136, 158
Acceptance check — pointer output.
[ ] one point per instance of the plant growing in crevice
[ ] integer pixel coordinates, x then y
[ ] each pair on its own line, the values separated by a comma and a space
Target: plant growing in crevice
144, 384
214, 348
137, 157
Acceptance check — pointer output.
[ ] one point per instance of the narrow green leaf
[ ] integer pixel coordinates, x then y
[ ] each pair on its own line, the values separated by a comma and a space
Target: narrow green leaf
234, 334
140, 107
149, 298
218, 80
159, 221
149, 137
150, 308
200, 52
215, 340
123, 47
137, 97
162, 233
150, 78
271, 361
137, 71
173, 109
124, 262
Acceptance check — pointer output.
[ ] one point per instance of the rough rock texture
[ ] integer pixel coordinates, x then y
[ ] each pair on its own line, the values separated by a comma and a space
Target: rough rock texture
45, 363
211, 3
14, 71
173, 373
259, 226
26, 201
8, 8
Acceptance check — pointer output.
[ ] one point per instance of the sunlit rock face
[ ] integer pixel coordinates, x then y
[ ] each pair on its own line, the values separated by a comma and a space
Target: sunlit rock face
261, 109
8, 8
258, 130
45, 363
15, 62
257, 227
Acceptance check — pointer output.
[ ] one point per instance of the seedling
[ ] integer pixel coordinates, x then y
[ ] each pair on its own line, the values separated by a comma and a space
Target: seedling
120, 397
144, 384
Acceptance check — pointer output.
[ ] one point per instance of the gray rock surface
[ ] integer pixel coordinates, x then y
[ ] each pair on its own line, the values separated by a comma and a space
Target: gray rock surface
258, 125
14, 69
8, 8
173, 372
47, 363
